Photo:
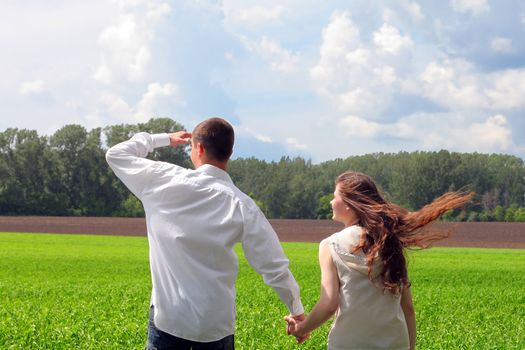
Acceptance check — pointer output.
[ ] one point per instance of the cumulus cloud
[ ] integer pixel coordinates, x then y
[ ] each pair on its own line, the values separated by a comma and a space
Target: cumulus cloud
359, 76
388, 40
155, 102
506, 90
356, 126
279, 58
115, 105
413, 9
295, 144
124, 45
452, 84
258, 136
475, 7
252, 15
385, 75
438, 131
339, 49
456, 132
356, 100
493, 133
402, 9
423, 76
263, 138
339, 37
456, 85
500, 44
31, 87
148, 106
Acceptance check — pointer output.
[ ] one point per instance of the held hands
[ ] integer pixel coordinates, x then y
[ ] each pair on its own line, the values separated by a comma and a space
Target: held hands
179, 138
294, 327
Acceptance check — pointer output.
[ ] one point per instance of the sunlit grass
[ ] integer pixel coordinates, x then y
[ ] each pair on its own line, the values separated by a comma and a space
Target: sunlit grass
92, 292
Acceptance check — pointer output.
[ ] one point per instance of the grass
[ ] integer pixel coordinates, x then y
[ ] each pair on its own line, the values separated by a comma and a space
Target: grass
92, 292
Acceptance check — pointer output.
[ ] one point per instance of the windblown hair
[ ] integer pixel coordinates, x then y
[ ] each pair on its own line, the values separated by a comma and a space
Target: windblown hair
217, 137
389, 228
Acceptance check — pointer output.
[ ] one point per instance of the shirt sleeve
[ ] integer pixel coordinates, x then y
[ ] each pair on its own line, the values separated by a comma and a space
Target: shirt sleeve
263, 251
127, 159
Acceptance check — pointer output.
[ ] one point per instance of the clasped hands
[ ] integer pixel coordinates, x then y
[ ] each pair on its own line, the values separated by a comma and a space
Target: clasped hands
294, 327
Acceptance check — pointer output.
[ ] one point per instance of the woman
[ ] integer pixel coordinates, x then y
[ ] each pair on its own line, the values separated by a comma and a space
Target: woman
363, 268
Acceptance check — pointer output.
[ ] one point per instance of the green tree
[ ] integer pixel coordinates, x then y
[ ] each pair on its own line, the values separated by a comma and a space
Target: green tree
324, 208
499, 213
69, 142
519, 215
510, 213
131, 207
260, 204
27, 179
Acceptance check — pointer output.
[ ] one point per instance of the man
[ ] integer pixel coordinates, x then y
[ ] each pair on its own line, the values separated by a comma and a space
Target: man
194, 218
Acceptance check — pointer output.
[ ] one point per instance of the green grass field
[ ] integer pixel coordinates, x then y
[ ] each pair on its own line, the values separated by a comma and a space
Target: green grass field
92, 292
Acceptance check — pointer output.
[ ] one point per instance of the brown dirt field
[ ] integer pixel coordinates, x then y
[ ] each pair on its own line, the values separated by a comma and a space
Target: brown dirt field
465, 234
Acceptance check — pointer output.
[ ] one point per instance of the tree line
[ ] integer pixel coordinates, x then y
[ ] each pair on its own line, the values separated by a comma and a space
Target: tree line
66, 174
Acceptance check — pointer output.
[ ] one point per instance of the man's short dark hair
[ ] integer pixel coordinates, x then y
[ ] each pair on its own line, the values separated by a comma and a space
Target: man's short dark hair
217, 137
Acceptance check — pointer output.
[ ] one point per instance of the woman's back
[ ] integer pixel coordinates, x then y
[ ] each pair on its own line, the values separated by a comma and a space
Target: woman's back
368, 317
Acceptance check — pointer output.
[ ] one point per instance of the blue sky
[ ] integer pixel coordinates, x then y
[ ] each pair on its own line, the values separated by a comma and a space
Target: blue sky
318, 79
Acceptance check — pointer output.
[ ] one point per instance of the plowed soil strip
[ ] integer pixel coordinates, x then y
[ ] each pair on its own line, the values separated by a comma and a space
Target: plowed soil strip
465, 234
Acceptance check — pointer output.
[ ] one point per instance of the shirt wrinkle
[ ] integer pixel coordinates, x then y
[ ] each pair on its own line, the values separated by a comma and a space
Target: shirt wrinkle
194, 218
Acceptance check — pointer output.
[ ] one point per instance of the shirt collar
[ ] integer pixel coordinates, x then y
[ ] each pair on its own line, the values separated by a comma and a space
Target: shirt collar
214, 171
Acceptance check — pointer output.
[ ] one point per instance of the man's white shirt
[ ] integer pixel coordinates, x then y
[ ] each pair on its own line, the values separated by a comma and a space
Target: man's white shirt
194, 218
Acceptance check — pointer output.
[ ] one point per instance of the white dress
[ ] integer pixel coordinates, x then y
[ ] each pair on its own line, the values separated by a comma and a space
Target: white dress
367, 318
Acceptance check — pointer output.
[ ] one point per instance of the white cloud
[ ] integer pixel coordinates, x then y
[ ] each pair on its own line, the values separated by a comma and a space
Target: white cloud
357, 76
252, 15
413, 9
124, 51
260, 137
475, 7
152, 103
339, 49
148, 105
492, 134
324, 74
116, 106
340, 38
500, 44
356, 100
456, 84
388, 40
280, 59
452, 84
438, 131
455, 132
157, 12
356, 126
385, 75
263, 138
124, 45
358, 57
295, 144
248, 132
507, 89
31, 87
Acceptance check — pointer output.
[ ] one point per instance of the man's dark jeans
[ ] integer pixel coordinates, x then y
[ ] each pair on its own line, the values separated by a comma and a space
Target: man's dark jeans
159, 340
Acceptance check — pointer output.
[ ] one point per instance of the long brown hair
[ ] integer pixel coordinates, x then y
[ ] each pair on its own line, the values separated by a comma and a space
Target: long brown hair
389, 228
